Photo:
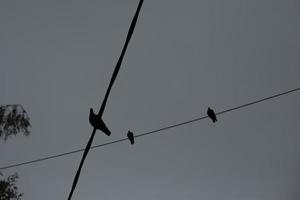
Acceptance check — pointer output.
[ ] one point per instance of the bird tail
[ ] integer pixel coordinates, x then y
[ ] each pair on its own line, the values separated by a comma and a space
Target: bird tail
105, 129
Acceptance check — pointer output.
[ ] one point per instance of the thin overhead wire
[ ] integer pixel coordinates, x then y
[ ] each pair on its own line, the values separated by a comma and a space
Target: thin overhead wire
153, 131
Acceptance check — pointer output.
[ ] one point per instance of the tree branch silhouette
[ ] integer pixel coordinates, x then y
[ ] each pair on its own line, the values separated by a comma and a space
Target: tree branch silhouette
101, 111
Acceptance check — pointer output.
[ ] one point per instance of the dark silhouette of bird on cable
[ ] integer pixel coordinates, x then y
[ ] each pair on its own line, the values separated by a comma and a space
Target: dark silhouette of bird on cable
130, 137
97, 122
211, 114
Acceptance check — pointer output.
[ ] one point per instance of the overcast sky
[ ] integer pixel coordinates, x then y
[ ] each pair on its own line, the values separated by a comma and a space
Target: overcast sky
57, 57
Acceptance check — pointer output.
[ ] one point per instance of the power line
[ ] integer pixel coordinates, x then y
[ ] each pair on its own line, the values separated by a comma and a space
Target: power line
153, 131
112, 80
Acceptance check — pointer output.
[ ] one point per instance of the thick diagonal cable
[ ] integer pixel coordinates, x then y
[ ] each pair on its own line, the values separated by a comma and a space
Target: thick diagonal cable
113, 78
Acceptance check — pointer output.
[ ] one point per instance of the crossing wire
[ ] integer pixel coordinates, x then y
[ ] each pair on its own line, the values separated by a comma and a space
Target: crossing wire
153, 131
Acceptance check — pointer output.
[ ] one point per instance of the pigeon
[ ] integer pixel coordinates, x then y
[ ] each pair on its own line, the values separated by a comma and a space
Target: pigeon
97, 123
211, 114
130, 137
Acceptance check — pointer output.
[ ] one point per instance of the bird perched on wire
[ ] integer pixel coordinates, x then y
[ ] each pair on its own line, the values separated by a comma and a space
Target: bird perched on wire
130, 137
97, 122
211, 114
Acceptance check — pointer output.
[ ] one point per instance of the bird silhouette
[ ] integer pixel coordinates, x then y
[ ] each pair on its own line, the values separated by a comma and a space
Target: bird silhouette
211, 114
97, 122
130, 137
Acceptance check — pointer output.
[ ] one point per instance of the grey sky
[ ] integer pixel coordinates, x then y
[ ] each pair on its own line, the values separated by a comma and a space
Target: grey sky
57, 57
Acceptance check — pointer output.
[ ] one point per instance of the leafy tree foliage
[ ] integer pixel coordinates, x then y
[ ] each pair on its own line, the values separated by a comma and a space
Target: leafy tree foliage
13, 119
8, 188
